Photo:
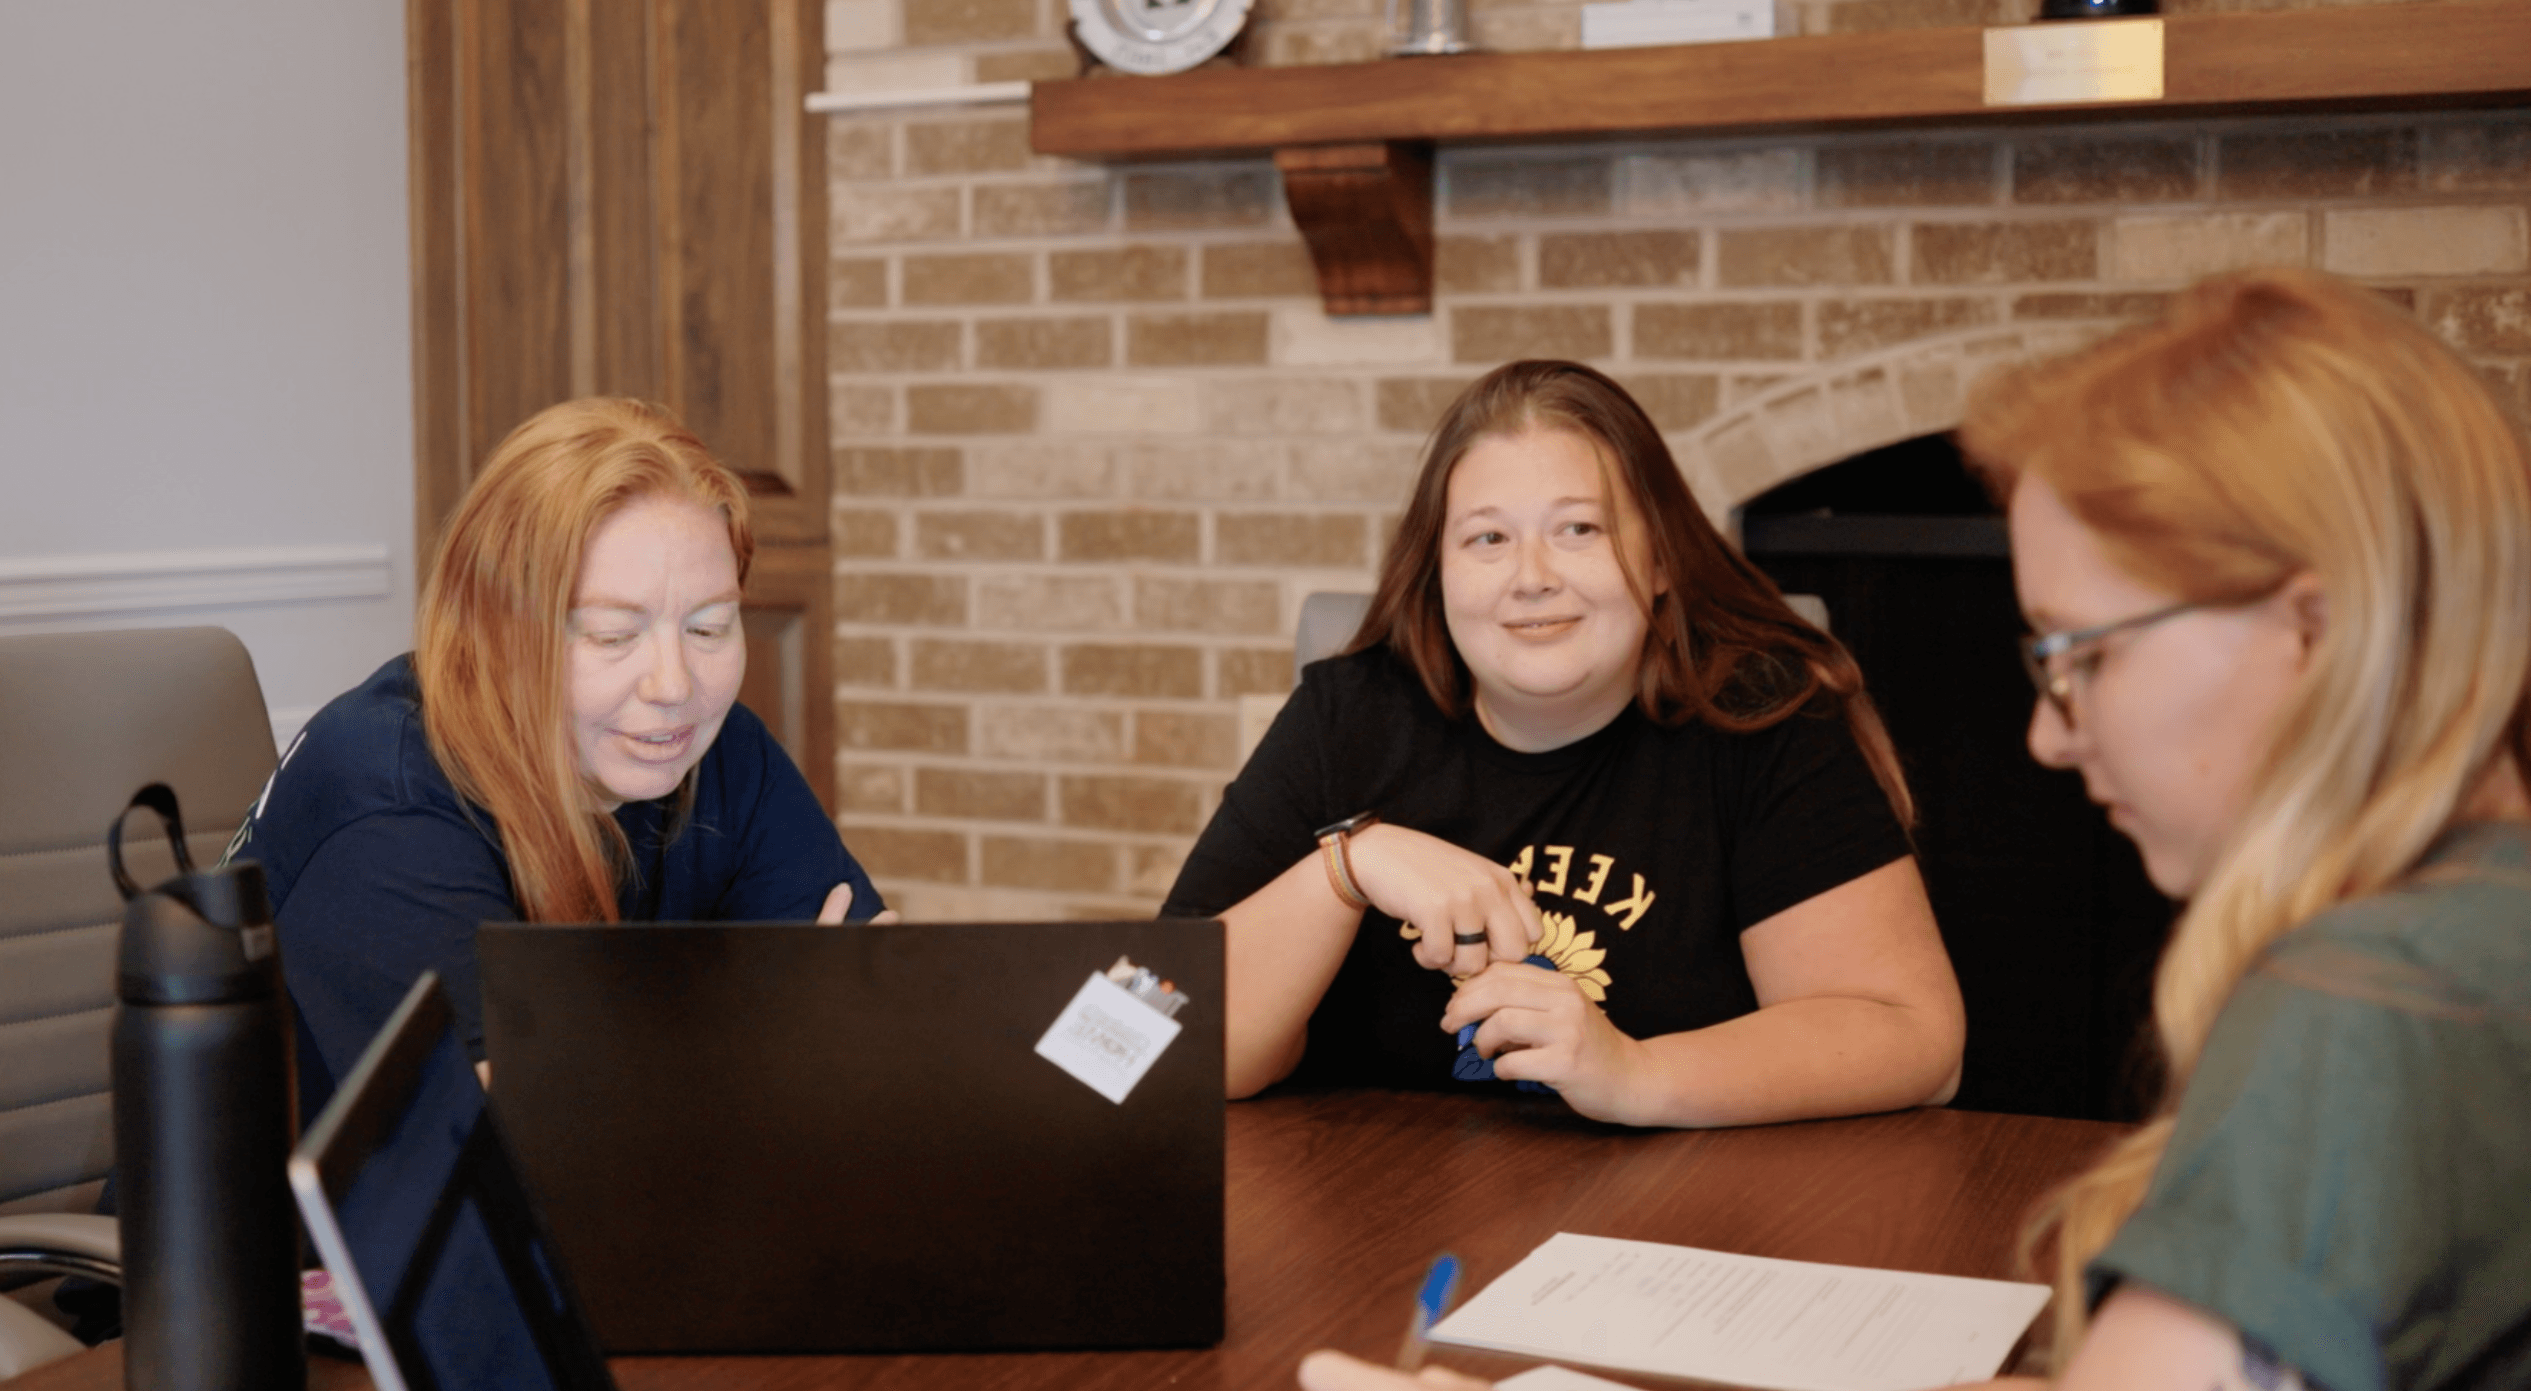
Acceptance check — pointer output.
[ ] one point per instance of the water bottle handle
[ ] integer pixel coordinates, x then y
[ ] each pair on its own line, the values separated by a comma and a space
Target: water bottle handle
160, 798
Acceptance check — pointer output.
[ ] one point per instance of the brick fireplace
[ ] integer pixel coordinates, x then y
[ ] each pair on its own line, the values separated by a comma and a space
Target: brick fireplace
1094, 438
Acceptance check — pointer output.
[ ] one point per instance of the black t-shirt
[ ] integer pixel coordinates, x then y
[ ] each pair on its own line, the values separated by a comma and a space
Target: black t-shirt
1649, 849
378, 870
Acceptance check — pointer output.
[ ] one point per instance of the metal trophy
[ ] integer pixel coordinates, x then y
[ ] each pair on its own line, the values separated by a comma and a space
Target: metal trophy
1432, 27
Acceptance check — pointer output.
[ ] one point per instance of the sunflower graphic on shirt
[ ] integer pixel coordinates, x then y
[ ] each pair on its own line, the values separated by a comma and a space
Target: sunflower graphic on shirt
1573, 954
1593, 879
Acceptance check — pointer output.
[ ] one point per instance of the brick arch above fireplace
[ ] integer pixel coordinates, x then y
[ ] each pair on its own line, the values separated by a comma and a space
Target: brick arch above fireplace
1847, 407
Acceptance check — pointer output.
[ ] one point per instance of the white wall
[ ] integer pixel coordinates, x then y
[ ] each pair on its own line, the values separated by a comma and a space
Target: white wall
205, 328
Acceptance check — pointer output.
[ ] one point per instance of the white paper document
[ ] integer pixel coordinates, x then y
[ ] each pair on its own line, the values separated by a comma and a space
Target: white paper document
1744, 1320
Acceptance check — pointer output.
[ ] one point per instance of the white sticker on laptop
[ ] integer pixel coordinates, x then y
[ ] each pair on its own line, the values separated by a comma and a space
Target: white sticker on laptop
1107, 1038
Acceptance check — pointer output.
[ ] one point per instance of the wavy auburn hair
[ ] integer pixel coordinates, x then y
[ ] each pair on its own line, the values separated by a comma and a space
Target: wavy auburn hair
491, 648
1720, 644
2275, 423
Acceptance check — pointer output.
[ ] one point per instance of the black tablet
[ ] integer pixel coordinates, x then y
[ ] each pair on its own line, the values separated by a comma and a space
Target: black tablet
435, 1248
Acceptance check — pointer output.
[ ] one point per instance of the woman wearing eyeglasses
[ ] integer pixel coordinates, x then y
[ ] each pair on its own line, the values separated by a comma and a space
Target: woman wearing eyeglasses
2277, 549
2278, 552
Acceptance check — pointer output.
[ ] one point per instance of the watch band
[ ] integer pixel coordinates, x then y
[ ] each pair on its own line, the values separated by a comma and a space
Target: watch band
1359, 821
1332, 843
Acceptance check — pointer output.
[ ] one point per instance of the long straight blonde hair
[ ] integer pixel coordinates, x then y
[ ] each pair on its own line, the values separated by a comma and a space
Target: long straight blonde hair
492, 637
2273, 423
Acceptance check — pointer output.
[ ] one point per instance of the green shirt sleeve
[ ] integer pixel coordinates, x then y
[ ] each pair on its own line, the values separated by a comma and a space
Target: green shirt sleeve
2349, 1180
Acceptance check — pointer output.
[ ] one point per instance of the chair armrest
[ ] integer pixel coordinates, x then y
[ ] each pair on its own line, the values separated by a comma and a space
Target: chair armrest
63, 1243
27, 1341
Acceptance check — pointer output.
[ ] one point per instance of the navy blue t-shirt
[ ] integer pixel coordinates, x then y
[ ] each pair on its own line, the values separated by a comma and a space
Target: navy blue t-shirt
378, 871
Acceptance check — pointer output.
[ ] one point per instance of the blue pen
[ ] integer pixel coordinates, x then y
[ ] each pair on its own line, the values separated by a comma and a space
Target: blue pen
1434, 1297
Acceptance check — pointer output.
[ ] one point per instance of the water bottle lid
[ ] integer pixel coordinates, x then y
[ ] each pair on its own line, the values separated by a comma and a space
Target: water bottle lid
200, 938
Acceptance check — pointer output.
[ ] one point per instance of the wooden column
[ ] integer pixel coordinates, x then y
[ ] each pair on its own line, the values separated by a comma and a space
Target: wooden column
1366, 212
627, 198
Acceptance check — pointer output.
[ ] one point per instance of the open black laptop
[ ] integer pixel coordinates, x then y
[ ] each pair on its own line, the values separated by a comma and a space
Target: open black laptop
786, 1137
434, 1246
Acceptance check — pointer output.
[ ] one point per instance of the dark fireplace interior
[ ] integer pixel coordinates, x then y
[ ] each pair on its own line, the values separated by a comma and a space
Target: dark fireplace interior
2049, 918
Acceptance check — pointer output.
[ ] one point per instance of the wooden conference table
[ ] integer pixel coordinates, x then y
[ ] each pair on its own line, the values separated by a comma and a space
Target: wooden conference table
1337, 1201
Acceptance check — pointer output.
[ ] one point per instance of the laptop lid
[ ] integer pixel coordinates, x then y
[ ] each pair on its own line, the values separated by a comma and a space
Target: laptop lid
432, 1241
847, 1139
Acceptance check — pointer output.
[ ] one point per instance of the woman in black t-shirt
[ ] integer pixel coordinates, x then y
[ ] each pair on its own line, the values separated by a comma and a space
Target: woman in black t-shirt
1584, 764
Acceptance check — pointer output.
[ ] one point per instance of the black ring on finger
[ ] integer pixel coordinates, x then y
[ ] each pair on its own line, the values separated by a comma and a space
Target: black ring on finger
1469, 939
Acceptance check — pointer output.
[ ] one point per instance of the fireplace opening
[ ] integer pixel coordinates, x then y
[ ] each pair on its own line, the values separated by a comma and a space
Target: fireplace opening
2045, 908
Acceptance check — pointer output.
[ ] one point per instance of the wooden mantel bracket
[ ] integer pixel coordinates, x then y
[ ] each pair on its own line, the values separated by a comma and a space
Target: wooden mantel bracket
1365, 210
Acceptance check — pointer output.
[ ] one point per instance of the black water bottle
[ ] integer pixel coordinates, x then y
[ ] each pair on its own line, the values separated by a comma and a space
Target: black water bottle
204, 1118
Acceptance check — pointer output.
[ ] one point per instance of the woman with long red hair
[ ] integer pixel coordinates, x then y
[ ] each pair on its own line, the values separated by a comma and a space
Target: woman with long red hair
564, 744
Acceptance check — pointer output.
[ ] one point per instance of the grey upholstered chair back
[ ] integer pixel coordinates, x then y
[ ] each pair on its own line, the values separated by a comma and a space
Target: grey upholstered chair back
1328, 621
85, 720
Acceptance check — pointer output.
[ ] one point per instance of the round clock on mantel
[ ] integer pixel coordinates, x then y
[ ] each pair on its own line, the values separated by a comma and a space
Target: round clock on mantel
1157, 36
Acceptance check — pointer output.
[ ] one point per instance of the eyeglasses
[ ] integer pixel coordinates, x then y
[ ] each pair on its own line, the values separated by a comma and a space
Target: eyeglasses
2055, 659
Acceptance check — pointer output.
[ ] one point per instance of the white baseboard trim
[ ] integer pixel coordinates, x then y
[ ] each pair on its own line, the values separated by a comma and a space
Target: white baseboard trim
90, 586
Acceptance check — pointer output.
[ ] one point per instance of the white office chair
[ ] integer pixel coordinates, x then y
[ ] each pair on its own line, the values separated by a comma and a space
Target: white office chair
1328, 621
90, 718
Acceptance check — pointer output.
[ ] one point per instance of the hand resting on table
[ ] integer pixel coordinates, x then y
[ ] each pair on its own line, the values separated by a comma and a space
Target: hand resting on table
1538, 1026
1325, 1370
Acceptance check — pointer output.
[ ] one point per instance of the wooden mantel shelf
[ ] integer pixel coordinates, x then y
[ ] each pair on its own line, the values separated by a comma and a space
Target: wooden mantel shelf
1369, 127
